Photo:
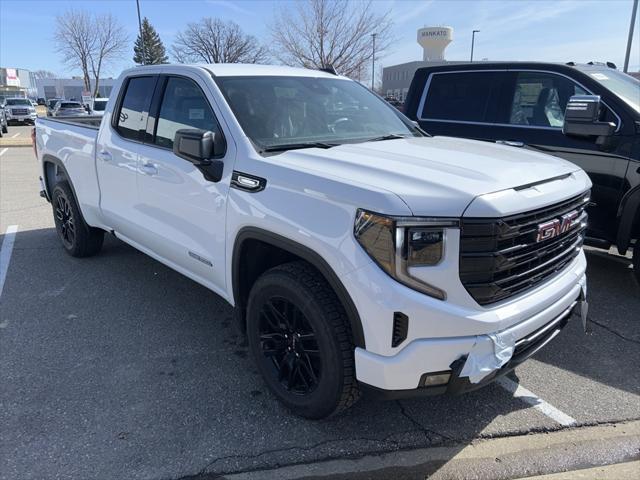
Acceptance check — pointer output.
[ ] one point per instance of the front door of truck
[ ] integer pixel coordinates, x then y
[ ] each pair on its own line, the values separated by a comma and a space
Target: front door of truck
183, 213
117, 155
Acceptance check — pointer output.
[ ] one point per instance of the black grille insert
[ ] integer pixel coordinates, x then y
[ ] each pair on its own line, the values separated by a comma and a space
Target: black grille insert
501, 257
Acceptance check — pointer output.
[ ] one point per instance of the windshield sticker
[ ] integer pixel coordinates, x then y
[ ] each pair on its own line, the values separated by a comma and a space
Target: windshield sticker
196, 114
599, 76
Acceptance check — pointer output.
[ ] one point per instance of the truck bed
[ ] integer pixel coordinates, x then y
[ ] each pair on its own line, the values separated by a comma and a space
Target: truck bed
88, 121
72, 142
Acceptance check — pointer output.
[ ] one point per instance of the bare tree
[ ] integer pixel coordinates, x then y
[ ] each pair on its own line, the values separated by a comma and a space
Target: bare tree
89, 43
323, 33
111, 42
75, 40
213, 41
43, 74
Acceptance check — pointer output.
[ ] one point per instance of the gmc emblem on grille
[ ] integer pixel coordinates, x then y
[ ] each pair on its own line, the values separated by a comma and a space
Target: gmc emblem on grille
557, 226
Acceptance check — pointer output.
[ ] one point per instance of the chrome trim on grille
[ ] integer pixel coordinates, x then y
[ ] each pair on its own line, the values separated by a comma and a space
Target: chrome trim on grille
501, 257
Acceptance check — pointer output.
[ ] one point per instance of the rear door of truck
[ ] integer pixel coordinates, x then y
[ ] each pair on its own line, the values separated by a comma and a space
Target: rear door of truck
455, 102
118, 148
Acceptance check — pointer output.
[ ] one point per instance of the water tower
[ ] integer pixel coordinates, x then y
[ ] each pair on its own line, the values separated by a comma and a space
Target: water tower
434, 40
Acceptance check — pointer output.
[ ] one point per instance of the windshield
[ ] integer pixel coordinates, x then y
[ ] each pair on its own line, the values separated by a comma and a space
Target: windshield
18, 101
296, 111
624, 86
99, 105
70, 105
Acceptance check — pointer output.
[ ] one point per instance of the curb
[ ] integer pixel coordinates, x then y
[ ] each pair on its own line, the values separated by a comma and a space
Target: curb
10, 142
521, 456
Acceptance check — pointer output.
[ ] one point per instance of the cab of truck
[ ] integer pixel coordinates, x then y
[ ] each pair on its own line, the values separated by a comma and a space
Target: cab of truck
525, 105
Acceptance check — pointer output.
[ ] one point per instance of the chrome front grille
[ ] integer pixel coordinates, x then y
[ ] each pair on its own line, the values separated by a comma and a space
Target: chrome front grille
501, 257
19, 111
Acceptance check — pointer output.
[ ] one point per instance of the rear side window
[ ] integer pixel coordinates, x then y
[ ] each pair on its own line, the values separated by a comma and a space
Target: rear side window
184, 105
134, 108
459, 96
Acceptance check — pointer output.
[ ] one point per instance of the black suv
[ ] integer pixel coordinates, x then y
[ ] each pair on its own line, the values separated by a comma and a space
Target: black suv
587, 114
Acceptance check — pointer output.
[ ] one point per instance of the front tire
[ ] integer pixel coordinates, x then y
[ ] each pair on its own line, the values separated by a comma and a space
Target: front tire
78, 238
301, 340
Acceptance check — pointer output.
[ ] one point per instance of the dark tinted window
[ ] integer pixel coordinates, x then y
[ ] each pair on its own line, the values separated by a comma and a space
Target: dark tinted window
459, 96
134, 108
64, 105
183, 106
539, 99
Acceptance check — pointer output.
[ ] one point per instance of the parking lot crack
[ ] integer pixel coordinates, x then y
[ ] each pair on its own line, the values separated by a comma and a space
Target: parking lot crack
207, 474
419, 425
614, 332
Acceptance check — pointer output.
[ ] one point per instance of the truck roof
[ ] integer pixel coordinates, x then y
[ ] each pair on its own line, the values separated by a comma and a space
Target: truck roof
243, 69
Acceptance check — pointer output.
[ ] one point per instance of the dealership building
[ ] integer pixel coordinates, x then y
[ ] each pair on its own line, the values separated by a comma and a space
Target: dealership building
396, 79
17, 82
70, 87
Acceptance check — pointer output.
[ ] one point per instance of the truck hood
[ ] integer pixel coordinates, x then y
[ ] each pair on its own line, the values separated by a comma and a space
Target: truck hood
435, 176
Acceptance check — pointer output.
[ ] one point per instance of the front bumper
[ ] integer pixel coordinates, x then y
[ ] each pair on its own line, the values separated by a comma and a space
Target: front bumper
28, 118
443, 338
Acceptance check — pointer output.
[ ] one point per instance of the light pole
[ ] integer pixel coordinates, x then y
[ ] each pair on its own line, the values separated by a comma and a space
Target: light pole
630, 40
473, 41
144, 52
373, 62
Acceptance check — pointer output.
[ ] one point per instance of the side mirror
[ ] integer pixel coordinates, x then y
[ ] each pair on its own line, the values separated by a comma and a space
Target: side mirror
582, 118
203, 148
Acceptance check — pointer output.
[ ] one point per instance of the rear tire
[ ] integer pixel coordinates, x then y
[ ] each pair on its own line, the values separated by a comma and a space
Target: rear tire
301, 341
78, 238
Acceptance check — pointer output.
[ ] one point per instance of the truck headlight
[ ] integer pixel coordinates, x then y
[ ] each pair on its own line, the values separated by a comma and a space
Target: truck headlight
397, 244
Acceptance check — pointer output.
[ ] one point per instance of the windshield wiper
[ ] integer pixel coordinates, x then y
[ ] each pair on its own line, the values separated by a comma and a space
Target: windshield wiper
294, 146
390, 136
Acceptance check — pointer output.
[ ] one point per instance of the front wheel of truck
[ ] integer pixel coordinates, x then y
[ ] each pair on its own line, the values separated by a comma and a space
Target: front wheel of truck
301, 340
78, 238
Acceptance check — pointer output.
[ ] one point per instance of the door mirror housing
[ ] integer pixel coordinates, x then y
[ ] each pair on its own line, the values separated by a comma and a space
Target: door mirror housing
203, 148
582, 117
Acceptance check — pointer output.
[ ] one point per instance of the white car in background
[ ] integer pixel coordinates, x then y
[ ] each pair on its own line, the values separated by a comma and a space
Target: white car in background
99, 106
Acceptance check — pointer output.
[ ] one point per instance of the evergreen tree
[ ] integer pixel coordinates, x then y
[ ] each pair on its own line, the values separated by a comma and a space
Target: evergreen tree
154, 51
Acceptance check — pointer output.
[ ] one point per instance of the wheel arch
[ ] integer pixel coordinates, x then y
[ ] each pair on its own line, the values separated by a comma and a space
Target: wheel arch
54, 171
629, 223
281, 250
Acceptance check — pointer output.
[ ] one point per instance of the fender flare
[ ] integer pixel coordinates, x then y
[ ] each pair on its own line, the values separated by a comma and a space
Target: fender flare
48, 185
305, 253
629, 208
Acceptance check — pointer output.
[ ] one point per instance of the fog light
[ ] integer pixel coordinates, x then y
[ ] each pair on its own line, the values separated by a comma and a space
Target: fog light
436, 379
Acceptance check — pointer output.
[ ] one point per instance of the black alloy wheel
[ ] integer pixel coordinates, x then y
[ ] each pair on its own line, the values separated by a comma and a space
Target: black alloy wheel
289, 345
65, 221
78, 238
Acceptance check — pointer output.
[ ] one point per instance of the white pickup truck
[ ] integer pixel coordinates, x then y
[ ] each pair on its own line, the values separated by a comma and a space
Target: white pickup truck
358, 251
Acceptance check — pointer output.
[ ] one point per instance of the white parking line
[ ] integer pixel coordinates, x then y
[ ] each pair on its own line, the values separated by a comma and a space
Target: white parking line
16, 135
536, 402
3, 151
5, 253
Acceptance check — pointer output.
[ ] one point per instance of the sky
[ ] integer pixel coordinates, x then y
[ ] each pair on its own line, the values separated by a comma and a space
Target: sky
542, 30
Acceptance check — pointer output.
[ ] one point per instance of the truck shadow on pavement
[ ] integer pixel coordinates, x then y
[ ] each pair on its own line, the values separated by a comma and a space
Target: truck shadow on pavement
116, 366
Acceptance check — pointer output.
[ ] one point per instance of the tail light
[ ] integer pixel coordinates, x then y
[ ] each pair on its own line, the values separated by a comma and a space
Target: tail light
33, 141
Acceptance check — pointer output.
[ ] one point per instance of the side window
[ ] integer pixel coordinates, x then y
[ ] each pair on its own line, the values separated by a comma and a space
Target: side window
183, 106
460, 96
539, 99
132, 116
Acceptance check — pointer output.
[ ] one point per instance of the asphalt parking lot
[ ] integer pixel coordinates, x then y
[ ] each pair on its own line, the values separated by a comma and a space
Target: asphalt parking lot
117, 367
